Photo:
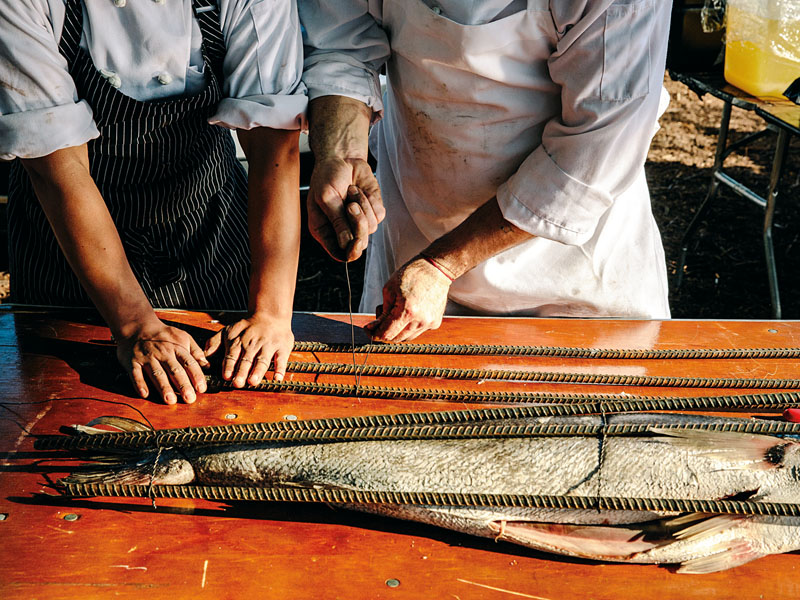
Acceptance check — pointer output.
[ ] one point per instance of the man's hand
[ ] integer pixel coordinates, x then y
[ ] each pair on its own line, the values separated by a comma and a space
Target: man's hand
414, 300
344, 206
344, 201
251, 345
166, 356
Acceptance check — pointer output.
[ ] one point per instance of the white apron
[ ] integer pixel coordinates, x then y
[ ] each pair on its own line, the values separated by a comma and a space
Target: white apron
465, 105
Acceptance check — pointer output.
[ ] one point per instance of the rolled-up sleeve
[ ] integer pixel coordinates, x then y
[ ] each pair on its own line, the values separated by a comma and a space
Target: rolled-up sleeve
609, 62
39, 107
345, 48
263, 66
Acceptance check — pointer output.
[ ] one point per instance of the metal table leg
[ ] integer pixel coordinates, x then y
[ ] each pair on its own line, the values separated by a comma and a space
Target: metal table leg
781, 146
719, 158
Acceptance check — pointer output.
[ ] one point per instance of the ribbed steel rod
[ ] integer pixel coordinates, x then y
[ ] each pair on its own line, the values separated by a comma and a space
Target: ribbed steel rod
398, 393
555, 351
540, 376
347, 496
202, 436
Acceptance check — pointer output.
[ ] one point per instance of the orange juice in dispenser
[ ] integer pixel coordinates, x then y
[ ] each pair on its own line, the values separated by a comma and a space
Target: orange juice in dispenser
762, 45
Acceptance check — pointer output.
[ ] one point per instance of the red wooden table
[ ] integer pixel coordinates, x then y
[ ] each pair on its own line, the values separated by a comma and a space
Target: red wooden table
59, 368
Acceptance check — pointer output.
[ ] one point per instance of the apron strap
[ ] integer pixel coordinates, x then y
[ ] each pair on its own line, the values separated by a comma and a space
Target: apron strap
213, 47
69, 45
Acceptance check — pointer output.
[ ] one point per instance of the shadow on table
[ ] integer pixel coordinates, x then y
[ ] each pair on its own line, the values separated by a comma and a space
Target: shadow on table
301, 513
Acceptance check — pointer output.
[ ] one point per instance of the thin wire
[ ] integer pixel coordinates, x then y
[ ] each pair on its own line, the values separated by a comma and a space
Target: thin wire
141, 414
356, 373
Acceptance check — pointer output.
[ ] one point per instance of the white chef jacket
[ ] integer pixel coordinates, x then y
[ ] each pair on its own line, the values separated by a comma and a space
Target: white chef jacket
150, 50
599, 87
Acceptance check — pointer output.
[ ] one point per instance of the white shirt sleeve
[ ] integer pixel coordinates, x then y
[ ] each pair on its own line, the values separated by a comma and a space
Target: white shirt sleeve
39, 107
345, 47
609, 62
263, 66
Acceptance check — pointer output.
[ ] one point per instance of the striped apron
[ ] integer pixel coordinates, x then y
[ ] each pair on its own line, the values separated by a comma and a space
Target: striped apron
171, 181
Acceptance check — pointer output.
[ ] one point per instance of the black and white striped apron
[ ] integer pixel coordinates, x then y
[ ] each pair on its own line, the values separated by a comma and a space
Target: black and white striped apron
171, 181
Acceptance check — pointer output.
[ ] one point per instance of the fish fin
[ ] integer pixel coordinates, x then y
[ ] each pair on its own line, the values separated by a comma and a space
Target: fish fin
161, 467
704, 525
122, 475
756, 451
729, 555
587, 541
119, 423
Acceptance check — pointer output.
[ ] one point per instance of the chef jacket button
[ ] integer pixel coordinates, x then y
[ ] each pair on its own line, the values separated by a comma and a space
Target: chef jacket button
164, 78
111, 77
160, 1
120, 3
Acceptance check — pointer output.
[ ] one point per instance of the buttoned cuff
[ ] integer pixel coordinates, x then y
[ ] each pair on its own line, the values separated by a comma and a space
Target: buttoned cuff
278, 111
545, 201
329, 78
39, 132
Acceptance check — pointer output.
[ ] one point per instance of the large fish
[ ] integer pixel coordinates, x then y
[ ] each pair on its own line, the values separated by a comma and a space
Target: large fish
670, 463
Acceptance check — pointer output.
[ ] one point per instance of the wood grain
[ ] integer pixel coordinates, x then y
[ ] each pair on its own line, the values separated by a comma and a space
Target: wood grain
59, 368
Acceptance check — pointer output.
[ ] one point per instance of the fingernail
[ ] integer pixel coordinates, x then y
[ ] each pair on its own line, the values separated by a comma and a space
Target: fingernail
143, 392
352, 190
202, 387
189, 398
170, 399
278, 377
353, 208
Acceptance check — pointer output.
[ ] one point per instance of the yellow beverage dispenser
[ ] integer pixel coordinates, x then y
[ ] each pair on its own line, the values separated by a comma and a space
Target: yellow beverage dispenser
762, 45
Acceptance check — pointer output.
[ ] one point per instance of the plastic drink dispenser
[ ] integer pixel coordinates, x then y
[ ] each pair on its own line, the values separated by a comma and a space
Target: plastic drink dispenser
762, 45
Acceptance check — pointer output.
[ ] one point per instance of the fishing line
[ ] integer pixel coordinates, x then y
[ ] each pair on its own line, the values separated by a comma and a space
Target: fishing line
141, 414
601, 452
352, 327
357, 371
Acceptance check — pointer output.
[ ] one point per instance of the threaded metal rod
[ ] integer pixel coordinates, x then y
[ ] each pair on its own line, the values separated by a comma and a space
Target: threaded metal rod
554, 351
348, 496
540, 376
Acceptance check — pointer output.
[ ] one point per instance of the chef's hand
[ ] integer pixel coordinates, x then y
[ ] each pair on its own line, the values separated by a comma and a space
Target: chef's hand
168, 358
414, 300
344, 206
251, 345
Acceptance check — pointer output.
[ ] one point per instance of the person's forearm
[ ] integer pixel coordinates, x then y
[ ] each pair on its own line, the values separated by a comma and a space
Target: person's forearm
273, 218
338, 127
480, 236
89, 239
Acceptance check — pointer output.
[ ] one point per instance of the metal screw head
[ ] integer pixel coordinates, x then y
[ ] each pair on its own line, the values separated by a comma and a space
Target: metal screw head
71, 517
231, 416
772, 330
290, 417
3, 516
392, 583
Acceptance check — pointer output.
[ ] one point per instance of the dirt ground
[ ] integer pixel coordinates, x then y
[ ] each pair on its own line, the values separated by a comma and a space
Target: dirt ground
725, 275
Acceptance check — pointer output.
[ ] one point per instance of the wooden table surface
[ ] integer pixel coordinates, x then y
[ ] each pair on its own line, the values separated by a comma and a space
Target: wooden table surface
59, 368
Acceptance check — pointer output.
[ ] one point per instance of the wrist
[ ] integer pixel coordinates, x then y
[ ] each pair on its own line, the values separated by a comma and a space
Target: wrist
338, 128
439, 265
136, 327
